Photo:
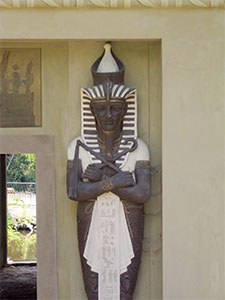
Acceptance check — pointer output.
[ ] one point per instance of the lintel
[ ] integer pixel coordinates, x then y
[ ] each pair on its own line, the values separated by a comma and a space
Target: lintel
111, 4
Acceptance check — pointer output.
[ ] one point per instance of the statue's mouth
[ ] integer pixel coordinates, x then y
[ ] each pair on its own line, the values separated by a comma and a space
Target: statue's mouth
109, 122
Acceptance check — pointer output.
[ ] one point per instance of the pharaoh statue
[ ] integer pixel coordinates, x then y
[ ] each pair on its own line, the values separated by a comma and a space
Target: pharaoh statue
108, 173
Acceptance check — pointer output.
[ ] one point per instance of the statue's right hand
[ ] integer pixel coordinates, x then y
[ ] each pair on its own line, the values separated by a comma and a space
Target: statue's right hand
122, 179
92, 173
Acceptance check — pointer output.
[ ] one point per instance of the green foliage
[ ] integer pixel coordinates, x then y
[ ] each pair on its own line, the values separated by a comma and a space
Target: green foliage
17, 201
21, 168
24, 248
12, 233
21, 244
25, 221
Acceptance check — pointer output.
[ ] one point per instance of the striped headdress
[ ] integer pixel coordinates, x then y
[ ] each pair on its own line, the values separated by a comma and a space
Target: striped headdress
89, 132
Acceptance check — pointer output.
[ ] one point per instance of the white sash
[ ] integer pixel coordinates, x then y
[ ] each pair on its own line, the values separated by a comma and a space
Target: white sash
108, 249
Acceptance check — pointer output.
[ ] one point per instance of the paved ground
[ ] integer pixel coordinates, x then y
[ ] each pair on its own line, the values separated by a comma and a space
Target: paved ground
18, 282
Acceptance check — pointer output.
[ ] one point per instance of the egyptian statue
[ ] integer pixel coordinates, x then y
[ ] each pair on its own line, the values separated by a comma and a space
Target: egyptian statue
108, 173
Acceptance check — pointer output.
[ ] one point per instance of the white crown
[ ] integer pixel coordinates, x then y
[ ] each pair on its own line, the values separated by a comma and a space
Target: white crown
108, 63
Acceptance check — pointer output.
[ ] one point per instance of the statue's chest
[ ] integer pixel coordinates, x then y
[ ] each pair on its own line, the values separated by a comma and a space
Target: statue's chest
107, 171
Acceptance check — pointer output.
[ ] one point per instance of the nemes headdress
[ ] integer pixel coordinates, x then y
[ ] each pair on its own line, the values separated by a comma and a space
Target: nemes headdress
108, 75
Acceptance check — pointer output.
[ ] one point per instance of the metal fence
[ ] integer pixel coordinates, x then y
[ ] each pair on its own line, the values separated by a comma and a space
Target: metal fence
21, 187
22, 193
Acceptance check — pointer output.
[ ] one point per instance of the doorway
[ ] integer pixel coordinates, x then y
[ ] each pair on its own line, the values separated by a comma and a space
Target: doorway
43, 147
18, 274
21, 208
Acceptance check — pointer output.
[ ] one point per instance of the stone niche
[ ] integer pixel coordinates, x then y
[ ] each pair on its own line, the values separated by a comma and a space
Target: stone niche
143, 70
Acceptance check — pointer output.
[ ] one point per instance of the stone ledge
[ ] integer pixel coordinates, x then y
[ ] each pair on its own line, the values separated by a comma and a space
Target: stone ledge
111, 4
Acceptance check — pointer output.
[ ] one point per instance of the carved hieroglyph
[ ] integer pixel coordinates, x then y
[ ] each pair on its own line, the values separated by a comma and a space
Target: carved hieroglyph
112, 3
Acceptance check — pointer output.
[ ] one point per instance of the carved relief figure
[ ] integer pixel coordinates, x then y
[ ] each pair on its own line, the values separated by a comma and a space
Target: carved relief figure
108, 173
19, 87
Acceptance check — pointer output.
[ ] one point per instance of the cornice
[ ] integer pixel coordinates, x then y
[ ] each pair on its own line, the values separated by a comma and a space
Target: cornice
111, 4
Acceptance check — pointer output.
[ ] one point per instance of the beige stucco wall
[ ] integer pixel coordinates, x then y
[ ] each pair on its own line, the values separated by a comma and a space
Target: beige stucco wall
192, 126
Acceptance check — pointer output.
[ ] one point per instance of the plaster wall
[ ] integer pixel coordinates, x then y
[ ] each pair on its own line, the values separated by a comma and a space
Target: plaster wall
192, 131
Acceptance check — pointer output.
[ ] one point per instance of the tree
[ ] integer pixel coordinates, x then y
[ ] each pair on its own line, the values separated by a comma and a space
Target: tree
21, 167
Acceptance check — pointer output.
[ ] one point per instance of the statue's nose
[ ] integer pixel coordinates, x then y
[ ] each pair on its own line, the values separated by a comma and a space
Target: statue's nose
108, 111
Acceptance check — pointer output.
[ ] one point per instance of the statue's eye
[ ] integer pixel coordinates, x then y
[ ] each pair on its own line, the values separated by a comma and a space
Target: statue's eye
117, 107
99, 107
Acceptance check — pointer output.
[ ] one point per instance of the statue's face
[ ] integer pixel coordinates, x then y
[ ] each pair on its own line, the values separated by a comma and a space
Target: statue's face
109, 115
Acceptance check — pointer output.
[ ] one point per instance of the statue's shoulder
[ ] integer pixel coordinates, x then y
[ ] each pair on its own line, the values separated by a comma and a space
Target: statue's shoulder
142, 152
71, 148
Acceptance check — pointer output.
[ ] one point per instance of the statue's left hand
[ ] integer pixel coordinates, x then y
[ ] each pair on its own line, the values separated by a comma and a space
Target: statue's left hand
92, 173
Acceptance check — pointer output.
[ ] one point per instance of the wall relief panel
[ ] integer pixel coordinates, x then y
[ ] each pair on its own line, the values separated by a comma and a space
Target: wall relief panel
20, 87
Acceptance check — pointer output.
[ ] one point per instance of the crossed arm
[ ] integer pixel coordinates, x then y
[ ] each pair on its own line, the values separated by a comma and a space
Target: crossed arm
122, 183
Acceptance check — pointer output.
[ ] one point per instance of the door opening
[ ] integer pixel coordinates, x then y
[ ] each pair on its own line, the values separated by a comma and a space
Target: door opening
43, 147
21, 204
18, 274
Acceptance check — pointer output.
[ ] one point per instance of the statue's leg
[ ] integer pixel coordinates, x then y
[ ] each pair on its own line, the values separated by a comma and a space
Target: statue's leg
83, 221
135, 219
